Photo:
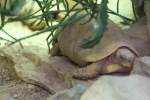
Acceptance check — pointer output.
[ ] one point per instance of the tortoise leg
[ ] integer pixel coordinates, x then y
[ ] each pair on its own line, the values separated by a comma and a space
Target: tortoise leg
88, 72
94, 70
115, 68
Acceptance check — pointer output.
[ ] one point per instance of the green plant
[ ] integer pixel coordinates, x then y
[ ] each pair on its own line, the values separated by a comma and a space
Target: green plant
92, 8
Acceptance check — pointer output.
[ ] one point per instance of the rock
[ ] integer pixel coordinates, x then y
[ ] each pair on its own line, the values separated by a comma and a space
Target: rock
64, 69
142, 66
70, 94
147, 7
138, 30
42, 75
134, 87
139, 37
34, 67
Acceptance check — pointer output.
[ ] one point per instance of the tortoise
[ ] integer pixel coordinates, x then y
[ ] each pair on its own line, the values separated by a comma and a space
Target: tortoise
113, 54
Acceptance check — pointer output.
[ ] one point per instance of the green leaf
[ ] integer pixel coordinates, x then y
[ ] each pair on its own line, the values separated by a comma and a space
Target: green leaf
101, 20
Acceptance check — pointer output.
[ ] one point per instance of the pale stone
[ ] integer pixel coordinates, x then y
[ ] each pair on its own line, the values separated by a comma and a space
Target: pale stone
69, 94
142, 66
134, 87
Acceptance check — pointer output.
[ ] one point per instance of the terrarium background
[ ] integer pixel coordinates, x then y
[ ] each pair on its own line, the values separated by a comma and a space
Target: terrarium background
18, 30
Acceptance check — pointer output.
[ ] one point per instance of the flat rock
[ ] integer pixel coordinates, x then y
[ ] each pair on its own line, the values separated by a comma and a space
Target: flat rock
34, 67
70, 94
134, 87
142, 66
